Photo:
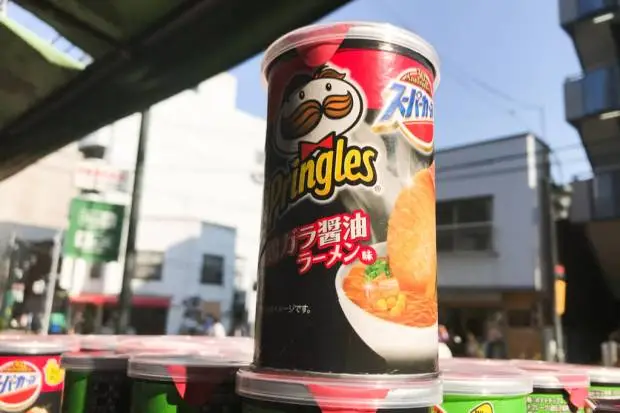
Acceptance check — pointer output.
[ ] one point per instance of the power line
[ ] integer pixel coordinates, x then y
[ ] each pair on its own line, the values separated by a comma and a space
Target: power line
455, 166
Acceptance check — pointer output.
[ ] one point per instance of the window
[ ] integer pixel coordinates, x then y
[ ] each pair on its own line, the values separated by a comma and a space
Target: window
465, 225
149, 265
596, 84
212, 269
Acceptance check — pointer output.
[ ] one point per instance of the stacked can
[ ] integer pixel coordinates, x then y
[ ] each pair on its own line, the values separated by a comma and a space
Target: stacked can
347, 313
183, 384
96, 382
484, 388
31, 379
604, 391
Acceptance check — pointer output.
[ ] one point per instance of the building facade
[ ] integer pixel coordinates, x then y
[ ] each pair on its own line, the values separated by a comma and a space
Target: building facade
34, 202
592, 106
203, 165
491, 239
177, 259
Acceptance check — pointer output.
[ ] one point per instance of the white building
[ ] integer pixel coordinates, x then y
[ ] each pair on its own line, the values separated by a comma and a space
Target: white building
492, 236
203, 165
34, 202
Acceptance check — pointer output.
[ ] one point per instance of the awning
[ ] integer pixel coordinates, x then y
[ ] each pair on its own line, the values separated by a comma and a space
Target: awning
152, 301
144, 51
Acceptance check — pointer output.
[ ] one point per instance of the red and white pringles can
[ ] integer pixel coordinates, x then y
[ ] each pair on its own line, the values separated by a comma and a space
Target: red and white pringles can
348, 272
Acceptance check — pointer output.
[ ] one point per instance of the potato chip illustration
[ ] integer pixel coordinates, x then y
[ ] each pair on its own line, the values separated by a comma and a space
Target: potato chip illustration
37, 410
411, 239
54, 375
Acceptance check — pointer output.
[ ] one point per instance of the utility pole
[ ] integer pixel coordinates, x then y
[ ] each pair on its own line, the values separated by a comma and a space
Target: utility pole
51, 284
552, 265
7, 273
4, 5
124, 314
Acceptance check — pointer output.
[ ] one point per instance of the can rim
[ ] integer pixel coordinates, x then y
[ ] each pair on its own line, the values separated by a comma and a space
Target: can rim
494, 381
33, 347
99, 342
105, 360
355, 30
380, 391
552, 376
604, 375
157, 367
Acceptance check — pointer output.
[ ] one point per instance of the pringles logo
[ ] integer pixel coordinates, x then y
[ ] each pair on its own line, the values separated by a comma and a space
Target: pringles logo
20, 385
316, 114
409, 109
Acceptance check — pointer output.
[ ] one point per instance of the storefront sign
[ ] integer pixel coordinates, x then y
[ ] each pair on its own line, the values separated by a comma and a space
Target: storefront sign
95, 230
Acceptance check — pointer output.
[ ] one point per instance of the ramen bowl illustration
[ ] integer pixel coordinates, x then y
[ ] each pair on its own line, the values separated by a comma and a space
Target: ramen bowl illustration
398, 325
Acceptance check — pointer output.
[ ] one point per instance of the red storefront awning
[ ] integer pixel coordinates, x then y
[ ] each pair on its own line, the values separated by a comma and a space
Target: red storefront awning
137, 300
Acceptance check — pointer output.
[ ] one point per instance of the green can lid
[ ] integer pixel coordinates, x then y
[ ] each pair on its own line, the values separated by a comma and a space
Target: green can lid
337, 32
30, 346
474, 379
335, 391
94, 361
183, 368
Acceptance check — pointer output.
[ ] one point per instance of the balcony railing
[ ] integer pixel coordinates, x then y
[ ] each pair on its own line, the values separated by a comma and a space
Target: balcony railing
592, 93
574, 10
606, 195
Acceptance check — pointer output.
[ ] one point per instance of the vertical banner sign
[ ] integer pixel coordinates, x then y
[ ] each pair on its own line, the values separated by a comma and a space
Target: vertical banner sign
95, 230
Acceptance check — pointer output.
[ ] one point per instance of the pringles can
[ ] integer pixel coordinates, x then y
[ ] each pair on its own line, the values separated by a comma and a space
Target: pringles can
31, 379
348, 269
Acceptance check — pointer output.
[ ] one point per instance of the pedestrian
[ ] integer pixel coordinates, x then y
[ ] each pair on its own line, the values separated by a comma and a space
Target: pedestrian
444, 338
472, 346
218, 329
495, 347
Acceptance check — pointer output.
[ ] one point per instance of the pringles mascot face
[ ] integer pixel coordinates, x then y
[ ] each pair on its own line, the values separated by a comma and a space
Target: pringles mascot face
315, 109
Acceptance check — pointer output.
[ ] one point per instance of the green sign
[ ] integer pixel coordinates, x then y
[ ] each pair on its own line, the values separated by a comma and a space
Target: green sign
95, 230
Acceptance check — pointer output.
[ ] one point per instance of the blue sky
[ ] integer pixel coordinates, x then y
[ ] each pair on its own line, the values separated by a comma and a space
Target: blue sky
515, 47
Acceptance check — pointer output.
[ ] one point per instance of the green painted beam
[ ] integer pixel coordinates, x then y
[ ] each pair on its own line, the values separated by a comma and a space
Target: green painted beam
196, 40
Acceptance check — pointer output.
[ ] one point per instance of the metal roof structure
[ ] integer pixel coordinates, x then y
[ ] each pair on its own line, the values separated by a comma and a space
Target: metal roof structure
143, 51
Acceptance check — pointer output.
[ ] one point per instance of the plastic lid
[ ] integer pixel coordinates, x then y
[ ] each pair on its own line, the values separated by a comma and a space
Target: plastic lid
548, 376
34, 347
103, 361
182, 368
99, 342
336, 32
491, 381
472, 362
336, 391
603, 375
160, 346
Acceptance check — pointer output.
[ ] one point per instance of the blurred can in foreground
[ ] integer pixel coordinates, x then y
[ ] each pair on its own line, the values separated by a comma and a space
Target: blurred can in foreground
31, 379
